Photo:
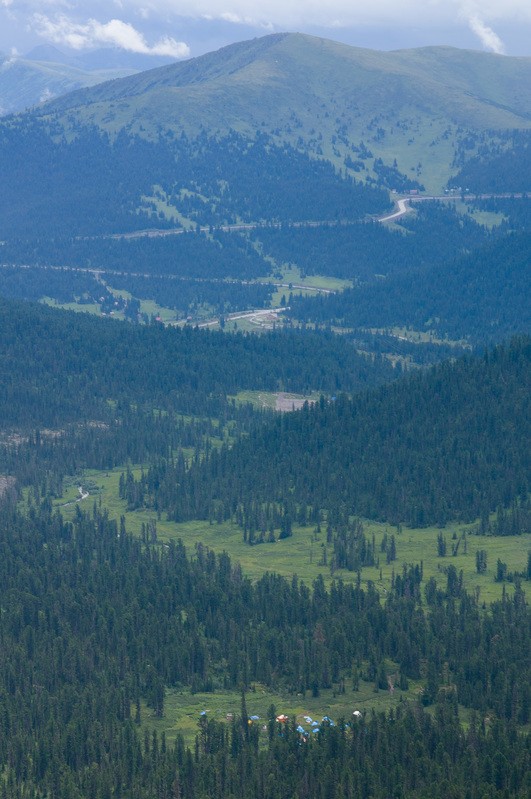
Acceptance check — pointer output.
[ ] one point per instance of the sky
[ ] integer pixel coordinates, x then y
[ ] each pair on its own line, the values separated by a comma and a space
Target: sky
181, 29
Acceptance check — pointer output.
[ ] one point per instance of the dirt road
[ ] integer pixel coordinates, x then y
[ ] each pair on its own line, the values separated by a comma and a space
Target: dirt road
82, 495
402, 206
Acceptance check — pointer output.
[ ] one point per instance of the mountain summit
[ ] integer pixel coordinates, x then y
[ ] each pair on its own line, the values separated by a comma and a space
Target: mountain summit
321, 96
470, 88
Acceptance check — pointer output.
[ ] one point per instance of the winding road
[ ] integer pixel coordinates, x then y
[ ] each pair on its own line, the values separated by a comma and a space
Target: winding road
403, 204
402, 208
82, 495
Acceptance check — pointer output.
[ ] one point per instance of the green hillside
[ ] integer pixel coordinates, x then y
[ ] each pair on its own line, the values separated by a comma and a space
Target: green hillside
327, 97
473, 89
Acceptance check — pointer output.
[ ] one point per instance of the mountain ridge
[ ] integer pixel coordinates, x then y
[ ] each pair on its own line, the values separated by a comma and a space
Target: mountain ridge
323, 97
253, 57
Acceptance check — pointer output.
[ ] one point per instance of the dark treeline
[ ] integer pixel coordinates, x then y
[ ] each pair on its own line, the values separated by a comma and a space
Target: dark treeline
191, 255
63, 285
481, 296
93, 621
517, 213
448, 443
419, 352
188, 297
514, 520
500, 168
91, 185
362, 250
196, 297
58, 367
44, 457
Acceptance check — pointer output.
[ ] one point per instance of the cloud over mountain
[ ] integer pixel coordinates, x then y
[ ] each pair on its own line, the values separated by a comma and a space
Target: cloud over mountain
161, 27
79, 36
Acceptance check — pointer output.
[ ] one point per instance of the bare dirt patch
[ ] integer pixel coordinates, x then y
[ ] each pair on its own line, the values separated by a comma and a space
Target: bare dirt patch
290, 402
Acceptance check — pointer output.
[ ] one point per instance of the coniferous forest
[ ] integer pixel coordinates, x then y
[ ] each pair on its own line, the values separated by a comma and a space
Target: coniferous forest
422, 451
93, 620
295, 464
97, 624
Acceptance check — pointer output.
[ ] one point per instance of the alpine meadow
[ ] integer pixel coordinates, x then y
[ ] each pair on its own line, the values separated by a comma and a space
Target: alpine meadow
265, 408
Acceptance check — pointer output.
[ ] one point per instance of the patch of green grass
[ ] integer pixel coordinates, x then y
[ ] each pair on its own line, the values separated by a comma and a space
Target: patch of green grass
92, 308
409, 146
159, 204
420, 545
284, 293
292, 274
327, 283
419, 336
258, 399
490, 219
122, 293
304, 552
151, 308
182, 710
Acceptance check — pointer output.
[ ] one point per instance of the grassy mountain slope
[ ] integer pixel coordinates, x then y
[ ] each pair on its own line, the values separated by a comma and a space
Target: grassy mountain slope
327, 97
469, 88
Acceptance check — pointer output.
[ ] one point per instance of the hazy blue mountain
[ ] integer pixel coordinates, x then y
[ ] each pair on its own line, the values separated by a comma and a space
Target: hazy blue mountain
26, 82
47, 72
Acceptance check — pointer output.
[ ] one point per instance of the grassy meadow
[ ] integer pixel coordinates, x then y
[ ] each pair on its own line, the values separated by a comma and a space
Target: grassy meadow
182, 709
307, 554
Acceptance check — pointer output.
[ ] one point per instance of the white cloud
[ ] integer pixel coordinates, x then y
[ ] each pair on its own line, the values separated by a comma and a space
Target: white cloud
149, 26
489, 39
477, 19
236, 19
303, 13
293, 13
62, 30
